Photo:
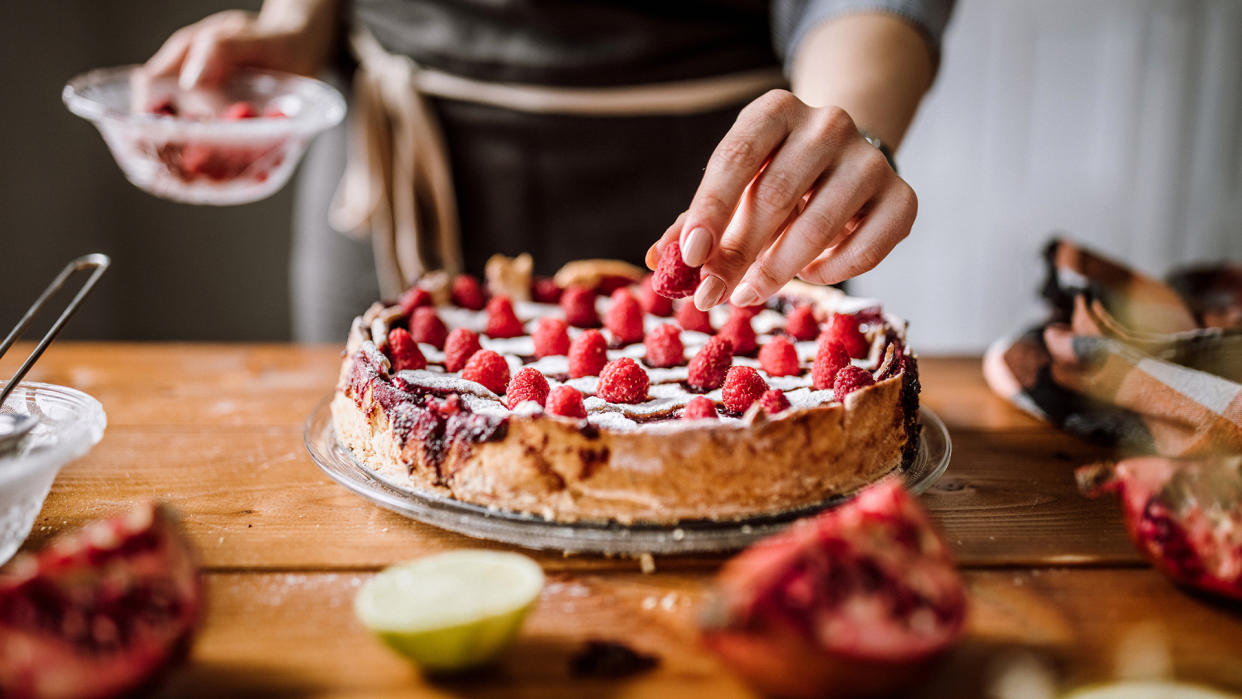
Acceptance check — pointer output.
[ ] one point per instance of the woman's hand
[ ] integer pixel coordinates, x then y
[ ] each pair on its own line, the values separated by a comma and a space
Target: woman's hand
790, 191
287, 35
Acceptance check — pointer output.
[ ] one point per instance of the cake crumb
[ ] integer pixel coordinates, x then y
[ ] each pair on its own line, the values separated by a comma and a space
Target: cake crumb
647, 563
650, 603
669, 602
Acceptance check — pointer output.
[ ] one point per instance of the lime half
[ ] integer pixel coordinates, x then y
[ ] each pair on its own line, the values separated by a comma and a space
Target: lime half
451, 611
1148, 690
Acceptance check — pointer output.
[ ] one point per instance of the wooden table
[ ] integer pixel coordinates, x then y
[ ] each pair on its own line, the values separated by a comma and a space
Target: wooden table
216, 430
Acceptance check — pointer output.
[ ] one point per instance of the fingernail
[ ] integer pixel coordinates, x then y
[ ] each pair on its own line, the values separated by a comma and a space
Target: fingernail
709, 293
745, 295
190, 75
698, 244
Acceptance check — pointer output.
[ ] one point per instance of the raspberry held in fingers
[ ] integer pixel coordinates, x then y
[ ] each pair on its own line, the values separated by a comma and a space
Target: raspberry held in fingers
673, 278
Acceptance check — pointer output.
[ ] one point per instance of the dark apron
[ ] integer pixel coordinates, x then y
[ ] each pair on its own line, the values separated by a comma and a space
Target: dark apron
558, 187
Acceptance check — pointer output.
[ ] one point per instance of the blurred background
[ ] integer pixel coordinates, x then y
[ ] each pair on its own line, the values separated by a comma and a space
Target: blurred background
1114, 121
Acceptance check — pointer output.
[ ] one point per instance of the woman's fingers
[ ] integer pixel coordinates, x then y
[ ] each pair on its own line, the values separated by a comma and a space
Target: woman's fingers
759, 129
885, 224
859, 177
814, 147
167, 60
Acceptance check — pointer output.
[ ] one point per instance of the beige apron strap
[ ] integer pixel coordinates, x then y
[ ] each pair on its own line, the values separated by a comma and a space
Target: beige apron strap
397, 184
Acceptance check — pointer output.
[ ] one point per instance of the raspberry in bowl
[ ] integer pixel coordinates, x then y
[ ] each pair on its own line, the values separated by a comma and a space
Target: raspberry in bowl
232, 144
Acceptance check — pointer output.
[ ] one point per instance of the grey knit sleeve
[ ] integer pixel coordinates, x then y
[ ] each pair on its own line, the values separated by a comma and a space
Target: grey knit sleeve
793, 19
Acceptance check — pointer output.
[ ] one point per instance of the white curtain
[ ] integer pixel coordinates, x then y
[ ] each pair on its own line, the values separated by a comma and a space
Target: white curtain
1115, 121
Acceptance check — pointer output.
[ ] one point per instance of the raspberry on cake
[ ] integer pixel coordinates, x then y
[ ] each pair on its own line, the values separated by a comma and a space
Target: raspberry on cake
845, 329
427, 327
700, 408
627, 440
653, 303
742, 386
414, 297
708, 367
578, 302
526, 384
663, 347
778, 357
739, 331
623, 381
403, 352
461, 344
551, 337
673, 277
588, 354
801, 324
774, 401
566, 401
830, 358
689, 317
624, 319
487, 368
467, 292
545, 290
850, 379
502, 321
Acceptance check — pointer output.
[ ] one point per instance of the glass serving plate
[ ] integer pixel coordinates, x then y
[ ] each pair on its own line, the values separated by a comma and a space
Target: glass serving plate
70, 423
535, 532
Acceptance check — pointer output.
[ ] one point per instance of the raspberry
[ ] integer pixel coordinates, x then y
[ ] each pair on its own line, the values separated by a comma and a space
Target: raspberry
427, 327
578, 303
588, 354
527, 384
748, 311
779, 358
623, 381
467, 292
801, 324
488, 368
830, 358
551, 337
501, 320
844, 329
566, 401
742, 386
459, 347
414, 297
624, 318
664, 348
774, 401
239, 110
708, 367
164, 107
545, 290
403, 352
737, 329
652, 302
689, 317
699, 408
673, 277
850, 379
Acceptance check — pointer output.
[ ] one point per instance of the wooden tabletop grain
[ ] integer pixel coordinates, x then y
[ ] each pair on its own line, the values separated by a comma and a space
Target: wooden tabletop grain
216, 430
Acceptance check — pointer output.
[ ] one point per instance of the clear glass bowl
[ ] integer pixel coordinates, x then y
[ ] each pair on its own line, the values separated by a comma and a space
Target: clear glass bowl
198, 157
70, 423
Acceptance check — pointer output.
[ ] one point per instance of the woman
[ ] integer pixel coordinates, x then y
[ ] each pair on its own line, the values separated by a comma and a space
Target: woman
578, 129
